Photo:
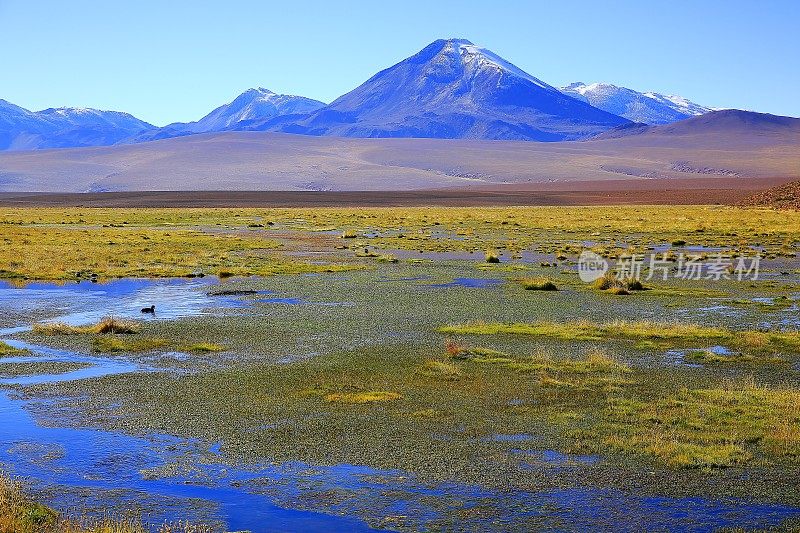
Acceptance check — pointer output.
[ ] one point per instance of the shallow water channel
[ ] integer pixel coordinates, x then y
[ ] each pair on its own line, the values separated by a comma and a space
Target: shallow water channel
259, 497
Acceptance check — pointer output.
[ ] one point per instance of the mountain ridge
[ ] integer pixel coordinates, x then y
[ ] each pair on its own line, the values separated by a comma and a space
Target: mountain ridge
255, 104
721, 145
454, 89
648, 108
64, 127
449, 89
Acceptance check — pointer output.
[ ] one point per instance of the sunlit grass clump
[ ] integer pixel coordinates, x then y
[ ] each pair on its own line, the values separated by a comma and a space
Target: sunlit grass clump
612, 284
538, 284
6, 350
492, 256
107, 325
20, 514
362, 397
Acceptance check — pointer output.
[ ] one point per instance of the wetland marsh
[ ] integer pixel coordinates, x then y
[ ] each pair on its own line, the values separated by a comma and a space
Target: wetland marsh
354, 369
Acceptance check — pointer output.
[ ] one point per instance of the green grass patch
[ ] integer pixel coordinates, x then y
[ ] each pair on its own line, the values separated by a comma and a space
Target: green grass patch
6, 350
704, 428
585, 330
362, 397
107, 325
492, 256
709, 357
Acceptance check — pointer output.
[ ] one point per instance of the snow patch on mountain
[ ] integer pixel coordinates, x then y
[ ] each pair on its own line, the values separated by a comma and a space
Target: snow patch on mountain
63, 127
487, 59
648, 108
453, 89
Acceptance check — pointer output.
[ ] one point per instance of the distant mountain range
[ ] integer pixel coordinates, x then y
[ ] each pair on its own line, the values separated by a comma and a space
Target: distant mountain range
455, 90
252, 105
64, 127
646, 108
740, 146
450, 89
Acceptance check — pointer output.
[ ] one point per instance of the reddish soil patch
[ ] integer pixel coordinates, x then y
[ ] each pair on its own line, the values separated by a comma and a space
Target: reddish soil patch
782, 197
608, 192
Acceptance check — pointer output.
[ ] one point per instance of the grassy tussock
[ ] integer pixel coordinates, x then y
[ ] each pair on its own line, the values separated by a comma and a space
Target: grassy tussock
708, 357
537, 284
6, 350
387, 258
114, 344
611, 283
752, 346
107, 325
362, 397
110, 337
492, 256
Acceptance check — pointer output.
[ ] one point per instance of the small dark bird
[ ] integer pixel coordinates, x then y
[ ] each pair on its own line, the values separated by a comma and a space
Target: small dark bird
151, 309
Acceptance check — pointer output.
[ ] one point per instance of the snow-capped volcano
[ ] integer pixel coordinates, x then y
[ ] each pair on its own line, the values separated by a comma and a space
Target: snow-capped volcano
454, 89
648, 108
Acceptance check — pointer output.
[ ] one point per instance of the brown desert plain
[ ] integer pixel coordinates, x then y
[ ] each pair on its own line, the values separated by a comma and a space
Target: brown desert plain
721, 157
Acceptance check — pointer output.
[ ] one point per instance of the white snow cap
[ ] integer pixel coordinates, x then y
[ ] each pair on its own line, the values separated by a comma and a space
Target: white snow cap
485, 58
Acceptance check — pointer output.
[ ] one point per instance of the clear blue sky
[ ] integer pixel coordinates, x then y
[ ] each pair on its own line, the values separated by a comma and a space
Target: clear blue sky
175, 60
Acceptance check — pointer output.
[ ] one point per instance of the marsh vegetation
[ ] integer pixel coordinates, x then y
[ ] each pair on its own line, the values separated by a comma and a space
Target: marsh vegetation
426, 358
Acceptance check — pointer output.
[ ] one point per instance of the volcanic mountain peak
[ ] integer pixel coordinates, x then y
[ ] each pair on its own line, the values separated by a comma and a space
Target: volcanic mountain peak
453, 89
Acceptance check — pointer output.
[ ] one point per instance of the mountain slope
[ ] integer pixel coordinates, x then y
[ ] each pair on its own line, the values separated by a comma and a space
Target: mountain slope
718, 128
740, 147
17, 123
647, 108
21, 129
453, 89
253, 105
